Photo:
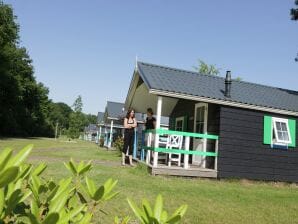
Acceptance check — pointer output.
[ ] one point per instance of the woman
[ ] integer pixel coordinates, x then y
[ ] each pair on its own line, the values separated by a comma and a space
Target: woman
150, 120
129, 124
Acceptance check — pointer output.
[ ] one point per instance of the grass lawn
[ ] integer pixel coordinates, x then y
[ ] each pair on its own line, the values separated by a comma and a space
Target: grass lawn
209, 201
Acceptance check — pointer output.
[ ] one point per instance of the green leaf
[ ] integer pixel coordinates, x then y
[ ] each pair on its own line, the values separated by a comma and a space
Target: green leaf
138, 212
34, 186
110, 196
178, 214
108, 187
39, 169
174, 219
2, 200
34, 208
63, 185
8, 175
25, 171
51, 218
4, 157
181, 210
25, 195
73, 167
99, 193
147, 208
33, 219
158, 207
82, 198
13, 200
58, 202
164, 216
86, 219
21, 156
90, 187
76, 211
85, 169
80, 166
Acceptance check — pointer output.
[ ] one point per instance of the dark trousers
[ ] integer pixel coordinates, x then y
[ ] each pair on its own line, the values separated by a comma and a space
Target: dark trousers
129, 135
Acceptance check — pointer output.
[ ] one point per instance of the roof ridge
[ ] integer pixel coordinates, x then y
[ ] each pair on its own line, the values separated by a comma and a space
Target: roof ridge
113, 102
181, 70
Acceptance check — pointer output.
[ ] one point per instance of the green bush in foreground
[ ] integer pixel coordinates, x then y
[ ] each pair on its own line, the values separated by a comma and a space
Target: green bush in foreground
26, 197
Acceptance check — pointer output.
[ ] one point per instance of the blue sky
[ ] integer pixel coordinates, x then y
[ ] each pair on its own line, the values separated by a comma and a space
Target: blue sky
88, 48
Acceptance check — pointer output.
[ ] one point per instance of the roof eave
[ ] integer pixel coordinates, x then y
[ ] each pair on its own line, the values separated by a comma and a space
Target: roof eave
222, 102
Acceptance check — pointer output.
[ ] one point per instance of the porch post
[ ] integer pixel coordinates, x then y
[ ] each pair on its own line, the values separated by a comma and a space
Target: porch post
135, 143
156, 139
97, 134
216, 158
186, 156
111, 134
99, 137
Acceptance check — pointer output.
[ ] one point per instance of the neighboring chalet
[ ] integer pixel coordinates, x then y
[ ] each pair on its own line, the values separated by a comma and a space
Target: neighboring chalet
100, 129
223, 128
90, 132
113, 123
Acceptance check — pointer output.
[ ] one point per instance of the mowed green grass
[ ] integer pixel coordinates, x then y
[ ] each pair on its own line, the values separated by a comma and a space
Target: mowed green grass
209, 201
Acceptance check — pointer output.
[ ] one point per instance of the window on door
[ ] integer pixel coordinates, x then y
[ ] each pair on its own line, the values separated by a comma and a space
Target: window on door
200, 118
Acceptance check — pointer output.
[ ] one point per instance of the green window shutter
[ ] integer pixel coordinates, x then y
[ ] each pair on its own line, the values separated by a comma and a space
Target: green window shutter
185, 123
267, 138
292, 127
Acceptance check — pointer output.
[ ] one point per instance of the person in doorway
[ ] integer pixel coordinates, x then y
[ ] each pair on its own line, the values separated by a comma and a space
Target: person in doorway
150, 120
129, 124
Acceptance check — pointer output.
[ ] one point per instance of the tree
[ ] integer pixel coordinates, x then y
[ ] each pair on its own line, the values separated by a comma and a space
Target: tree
206, 69
78, 104
91, 119
294, 16
59, 115
23, 101
77, 119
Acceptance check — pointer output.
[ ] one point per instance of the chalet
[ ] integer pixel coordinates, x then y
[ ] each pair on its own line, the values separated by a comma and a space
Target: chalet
219, 127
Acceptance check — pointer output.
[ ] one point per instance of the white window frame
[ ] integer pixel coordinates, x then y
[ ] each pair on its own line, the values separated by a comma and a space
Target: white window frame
277, 140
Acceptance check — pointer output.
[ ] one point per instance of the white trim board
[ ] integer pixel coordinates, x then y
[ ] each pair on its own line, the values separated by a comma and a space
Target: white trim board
222, 102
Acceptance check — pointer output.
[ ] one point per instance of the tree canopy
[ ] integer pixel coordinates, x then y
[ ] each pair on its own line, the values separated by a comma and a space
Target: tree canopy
25, 108
294, 16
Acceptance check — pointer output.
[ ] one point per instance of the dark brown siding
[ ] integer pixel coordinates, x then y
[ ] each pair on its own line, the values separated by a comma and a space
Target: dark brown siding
242, 153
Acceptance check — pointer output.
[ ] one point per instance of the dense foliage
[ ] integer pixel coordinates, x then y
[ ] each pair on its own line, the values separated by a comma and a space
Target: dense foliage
25, 109
294, 16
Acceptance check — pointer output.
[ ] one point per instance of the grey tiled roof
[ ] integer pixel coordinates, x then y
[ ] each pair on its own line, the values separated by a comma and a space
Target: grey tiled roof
114, 109
195, 84
100, 117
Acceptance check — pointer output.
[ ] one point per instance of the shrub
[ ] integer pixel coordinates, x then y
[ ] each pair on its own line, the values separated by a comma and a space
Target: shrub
118, 144
26, 197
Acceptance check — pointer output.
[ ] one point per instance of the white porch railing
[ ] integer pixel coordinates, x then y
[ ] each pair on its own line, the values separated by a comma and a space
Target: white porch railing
154, 146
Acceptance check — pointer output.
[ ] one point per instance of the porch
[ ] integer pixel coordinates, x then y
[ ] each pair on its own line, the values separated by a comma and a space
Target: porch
168, 152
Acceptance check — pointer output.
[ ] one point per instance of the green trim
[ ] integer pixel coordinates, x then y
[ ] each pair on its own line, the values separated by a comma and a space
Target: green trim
181, 151
292, 127
267, 138
187, 134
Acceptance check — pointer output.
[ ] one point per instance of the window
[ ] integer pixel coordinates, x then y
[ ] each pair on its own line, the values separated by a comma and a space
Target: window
179, 124
279, 131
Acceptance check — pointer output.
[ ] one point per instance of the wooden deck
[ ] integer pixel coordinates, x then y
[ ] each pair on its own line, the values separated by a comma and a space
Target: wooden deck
193, 171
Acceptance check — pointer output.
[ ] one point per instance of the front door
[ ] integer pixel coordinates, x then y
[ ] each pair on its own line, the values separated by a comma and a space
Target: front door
200, 126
